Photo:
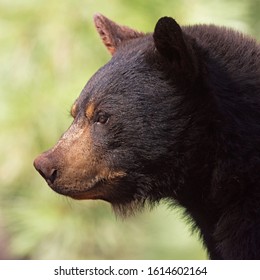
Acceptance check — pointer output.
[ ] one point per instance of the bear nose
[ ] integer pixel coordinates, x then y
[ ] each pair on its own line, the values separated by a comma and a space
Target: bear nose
44, 166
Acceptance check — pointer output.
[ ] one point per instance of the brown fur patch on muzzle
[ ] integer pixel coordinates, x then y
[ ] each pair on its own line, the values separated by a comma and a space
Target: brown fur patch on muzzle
73, 168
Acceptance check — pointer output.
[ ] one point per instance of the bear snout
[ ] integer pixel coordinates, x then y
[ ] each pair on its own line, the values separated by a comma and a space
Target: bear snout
45, 167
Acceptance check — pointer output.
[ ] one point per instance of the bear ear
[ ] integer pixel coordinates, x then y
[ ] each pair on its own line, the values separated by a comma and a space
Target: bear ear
172, 45
113, 34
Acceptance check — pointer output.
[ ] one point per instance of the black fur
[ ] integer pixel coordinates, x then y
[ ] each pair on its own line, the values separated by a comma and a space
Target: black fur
184, 123
198, 143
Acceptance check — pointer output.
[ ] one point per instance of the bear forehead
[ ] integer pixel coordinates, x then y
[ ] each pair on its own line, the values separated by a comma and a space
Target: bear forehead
129, 62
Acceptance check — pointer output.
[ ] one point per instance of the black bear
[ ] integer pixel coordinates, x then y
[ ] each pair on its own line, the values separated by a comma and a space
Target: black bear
173, 116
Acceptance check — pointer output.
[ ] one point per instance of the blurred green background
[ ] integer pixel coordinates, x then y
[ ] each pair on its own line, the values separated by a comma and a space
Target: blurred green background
48, 51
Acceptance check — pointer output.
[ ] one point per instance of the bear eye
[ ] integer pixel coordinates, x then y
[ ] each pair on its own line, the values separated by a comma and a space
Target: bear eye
102, 118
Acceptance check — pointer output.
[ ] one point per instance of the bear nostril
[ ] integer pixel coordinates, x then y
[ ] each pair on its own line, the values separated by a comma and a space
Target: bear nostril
53, 175
44, 166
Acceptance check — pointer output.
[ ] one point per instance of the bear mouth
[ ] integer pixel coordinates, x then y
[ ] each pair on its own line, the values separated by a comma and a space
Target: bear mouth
93, 188
77, 191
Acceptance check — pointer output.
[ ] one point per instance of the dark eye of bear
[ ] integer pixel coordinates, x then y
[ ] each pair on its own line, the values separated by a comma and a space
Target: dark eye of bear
102, 118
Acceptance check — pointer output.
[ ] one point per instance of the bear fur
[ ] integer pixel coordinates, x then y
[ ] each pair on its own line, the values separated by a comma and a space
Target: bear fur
173, 116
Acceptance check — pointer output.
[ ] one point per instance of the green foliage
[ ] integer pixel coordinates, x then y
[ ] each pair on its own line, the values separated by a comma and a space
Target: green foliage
48, 50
